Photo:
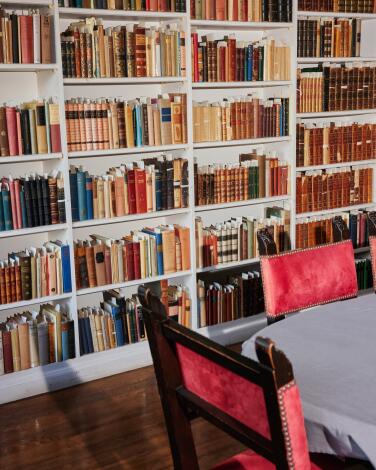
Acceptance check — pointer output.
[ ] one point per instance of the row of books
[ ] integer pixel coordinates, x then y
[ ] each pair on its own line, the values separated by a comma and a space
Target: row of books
242, 10
236, 239
336, 87
334, 142
240, 118
25, 38
91, 51
345, 6
35, 272
329, 37
240, 296
32, 201
152, 185
141, 254
118, 320
356, 225
328, 189
364, 276
230, 60
35, 338
30, 128
128, 5
256, 175
113, 123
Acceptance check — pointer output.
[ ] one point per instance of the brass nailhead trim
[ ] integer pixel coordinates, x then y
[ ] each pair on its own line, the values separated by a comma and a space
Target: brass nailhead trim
285, 427
287, 253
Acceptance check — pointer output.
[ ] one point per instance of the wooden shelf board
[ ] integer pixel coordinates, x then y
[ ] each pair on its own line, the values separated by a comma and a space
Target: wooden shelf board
130, 218
136, 282
41, 300
33, 230
126, 151
249, 202
234, 143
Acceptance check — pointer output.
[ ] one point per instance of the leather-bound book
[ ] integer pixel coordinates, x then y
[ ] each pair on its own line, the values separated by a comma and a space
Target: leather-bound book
164, 106
26, 39
266, 243
91, 268
26, 281
169, 253
82, 267
25, 132
7, 350
15, 349
4, 144
340, 229
136, 260
54, 118
11, 130
119, 53
24, 343
61, 200
54, 211
184, 236
39, 199
140, 190
140, 51
100, 271
46, 32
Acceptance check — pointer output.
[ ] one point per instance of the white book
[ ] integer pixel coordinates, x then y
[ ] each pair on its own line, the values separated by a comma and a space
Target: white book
36, 37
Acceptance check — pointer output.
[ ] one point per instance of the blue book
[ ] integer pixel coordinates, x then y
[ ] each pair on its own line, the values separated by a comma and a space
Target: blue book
88, 337
23, 208
66, 267
2, 222
81, 192
64, 344
249, 62
158, 240
138, 125
89, 197
158, 190
74, 194
114, 309
7, 209
81, 337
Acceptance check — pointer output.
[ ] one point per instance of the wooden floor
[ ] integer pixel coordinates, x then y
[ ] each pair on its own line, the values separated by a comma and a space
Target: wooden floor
113, 423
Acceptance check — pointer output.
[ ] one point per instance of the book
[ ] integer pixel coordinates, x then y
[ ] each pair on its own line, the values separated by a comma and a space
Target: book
240, 118
152, 5
334, 142
363, 267
35, 273
32, 201
130, 188
150, 252
336, 6
28, 338
30, 128
333, 188
255, 176
139, 51
231, 60
25, 38
115, 123
236, 239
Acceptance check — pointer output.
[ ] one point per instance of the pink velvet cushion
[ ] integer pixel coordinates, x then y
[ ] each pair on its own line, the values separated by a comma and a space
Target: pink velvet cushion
372, 245
238, 397
304, 278
250, 461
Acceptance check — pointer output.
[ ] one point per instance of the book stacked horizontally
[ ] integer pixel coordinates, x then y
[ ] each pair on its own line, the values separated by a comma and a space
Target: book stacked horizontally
25, 38
35, 338
32, 201
35, 273
30, 128
113, 123
240, 296
333, 188
240, 118
334, 142
232, 60
141, 254
151, 185
236, 239
242, 10
255, 176
91, 51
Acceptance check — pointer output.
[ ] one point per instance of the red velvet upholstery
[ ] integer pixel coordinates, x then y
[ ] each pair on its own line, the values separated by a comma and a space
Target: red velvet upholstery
239, 398
250, 461
372, 245
304, 278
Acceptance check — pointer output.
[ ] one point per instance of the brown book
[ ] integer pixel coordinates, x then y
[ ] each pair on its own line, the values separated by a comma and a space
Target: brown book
184, 237
15, 349
26, 39
140, 51
4, 144
24, 343
91, 267
169, 251
46, 38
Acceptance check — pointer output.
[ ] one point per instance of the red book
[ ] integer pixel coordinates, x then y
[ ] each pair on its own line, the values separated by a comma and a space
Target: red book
17, 190
136, 260
129, 260
132, 192
11, 118
153, 5
162, 5
220, 13
7, 352
235, 14
13, 204
140, 189
55, 127
27, 40
194, 42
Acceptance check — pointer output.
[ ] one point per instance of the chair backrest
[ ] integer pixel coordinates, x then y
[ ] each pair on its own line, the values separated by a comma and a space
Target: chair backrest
304, 278
256, 403
372, 246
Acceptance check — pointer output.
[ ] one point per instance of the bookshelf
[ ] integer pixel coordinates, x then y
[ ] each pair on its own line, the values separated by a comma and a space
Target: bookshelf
24, 82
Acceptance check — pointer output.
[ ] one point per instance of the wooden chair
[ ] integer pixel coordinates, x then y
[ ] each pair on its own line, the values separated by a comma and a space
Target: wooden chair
300, 279
256, 403
372, 246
